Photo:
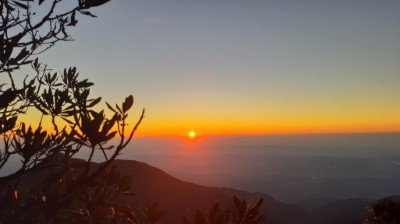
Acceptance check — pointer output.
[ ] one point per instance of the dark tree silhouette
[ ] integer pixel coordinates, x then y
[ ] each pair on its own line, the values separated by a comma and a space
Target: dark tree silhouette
238, 212
385, 211
49, 186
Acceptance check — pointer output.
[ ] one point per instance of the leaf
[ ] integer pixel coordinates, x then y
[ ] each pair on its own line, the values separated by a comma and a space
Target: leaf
127, 104
22, 54
214, 211
53, 78
87, 13
258, 203
107, 126
93, 3
8, 51
94, 102
119, 109
48, 97
10, 123
85, 94
109, 136
84, 84
109, 107
68, 121
7, 97
73, 21
237, 202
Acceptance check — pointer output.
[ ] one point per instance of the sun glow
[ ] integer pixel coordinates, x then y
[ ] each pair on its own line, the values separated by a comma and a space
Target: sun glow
192, 134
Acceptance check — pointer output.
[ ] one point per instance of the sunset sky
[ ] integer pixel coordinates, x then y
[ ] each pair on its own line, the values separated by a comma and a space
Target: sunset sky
244, 67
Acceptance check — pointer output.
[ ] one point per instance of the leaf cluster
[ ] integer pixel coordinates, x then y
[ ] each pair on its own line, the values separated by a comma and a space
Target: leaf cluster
30, 27
48, 184
64, 100
384, 211
238, 212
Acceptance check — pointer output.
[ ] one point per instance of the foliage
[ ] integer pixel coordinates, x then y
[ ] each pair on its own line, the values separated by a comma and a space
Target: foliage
49, 185
385, 211
238, 212
30, 27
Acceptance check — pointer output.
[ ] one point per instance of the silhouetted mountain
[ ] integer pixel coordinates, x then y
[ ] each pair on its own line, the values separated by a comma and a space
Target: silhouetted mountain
350, 211
178, 197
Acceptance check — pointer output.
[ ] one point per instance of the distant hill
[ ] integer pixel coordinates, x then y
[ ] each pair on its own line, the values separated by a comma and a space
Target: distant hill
178, 197
349, 211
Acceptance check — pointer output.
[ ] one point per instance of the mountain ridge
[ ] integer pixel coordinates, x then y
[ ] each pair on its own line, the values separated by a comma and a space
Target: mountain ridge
177, 197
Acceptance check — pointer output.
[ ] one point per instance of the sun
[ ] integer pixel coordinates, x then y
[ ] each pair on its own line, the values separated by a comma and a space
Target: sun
192, 134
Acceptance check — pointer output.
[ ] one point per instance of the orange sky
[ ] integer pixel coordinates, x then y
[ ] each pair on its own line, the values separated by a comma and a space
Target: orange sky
244, 68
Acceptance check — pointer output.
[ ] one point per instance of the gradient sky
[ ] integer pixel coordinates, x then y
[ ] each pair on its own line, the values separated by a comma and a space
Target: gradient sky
244, 67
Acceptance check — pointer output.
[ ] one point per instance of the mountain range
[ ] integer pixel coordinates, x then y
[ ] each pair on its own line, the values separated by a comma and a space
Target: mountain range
179, 198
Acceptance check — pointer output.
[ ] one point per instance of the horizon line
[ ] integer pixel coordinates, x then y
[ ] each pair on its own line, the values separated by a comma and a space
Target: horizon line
271, 134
